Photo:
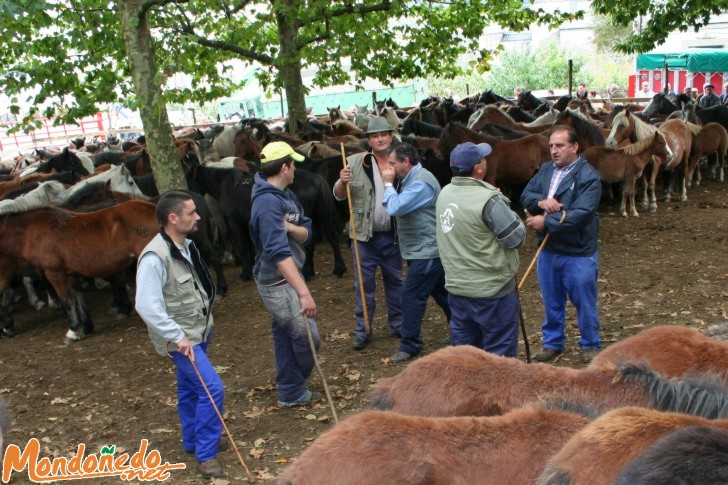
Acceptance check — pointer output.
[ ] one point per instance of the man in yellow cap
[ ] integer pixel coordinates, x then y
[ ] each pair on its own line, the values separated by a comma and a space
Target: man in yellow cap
280, 231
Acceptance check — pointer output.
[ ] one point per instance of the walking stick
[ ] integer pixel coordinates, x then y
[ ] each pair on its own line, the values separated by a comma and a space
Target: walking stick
219, 416
318, 367
356, 250
538, 252
526, 345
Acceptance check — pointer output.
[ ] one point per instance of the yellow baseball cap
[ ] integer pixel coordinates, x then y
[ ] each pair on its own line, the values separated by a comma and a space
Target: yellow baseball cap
279, 149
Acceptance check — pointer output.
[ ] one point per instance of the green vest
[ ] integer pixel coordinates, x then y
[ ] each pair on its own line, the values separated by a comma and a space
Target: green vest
363, 198
184, 298
476, 265
416, 230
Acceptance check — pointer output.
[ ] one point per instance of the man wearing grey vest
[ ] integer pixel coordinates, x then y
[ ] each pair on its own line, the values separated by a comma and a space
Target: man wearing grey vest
174, 297
478, 236
413, 207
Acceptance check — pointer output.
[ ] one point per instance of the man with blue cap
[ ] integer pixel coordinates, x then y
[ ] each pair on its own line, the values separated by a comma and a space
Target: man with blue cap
478, 237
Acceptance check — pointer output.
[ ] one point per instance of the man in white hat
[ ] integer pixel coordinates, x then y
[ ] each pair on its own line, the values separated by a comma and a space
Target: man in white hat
374, 230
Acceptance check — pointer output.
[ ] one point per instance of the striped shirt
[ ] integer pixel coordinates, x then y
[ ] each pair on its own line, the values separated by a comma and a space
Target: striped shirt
557, 177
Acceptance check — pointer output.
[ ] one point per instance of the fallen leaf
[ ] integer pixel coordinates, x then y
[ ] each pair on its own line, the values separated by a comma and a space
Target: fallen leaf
323, 419
162, 430
387, 363
353, 375
219, 481
254, 413
60, 400
310, 417
257, 454
259, 442
282, 459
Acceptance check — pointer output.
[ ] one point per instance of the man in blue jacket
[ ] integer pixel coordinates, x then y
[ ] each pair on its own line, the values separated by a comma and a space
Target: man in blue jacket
562, 200
280, 231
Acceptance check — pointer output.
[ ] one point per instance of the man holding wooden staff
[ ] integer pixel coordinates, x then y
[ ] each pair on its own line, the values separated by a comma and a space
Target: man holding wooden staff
562, 201
374, 231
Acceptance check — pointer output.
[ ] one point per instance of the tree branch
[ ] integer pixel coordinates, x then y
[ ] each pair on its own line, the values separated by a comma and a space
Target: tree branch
385, 5
237, 8
146, 6
226, 46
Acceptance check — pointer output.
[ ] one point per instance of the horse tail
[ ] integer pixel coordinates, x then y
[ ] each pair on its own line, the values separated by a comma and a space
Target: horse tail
554, 476
379, 397
703, 395
719, 331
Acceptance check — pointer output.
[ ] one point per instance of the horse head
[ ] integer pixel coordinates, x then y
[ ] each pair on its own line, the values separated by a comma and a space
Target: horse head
660, 104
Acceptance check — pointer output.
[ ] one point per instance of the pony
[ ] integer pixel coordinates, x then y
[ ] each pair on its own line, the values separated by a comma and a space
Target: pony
335, 114
467, 381
588, 134
495, 115
511, 162
546, 119
119, 178
223, 143
384, 447
671, 350
529, 102
489, 97
519, 115
44, 194
601, 450
626, 165
49, 239
421, 128
361, 117
694, 454
718, 114
394, 121
679, 136
713, 138
66, 161
660, 105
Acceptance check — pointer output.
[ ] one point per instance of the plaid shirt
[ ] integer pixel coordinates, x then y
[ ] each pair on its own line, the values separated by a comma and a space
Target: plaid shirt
557, 177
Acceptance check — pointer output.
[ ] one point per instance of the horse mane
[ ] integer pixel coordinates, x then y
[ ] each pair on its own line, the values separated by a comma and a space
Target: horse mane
223, 142
562, 102
642, 129
703, 395
694, 129
422, 128
545, 119
496, 112
76, 198
640, 145
719, 331
581, 408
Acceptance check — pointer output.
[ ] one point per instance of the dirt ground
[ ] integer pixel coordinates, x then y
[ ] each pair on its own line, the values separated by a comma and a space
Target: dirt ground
670, 267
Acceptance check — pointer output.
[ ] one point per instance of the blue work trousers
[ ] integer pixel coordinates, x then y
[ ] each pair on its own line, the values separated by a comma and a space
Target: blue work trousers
201, 427
425, 277
380, 251
490, 324
576, 277
293, 356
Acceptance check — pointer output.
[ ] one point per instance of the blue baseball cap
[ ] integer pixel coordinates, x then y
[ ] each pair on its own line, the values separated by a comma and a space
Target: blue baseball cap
467, 155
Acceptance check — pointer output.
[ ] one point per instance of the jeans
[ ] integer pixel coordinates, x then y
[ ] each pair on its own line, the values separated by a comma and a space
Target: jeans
294, 360
490, 324
381, 251
576, 277
201, 427
425, 277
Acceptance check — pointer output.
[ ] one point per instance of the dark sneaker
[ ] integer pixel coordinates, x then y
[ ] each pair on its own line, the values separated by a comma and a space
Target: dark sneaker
547, 355
400, 356
359, 342
222, 445
308, 397
210, 468
588, 354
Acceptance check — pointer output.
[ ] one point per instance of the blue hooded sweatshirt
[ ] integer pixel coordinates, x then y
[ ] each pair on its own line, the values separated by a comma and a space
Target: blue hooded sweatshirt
271, 206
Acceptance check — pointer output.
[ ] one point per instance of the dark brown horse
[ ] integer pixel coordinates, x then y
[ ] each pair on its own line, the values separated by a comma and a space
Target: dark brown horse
600, 451
60, 243
671, 350
626, 165
512, 162
374, 447
466, 381
713, 138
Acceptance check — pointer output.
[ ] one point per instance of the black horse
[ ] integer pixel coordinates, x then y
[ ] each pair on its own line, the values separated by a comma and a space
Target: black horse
66, 161
660, 105
718, 114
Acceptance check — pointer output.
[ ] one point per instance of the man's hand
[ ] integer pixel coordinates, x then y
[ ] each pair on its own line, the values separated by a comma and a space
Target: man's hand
550, 205
388, 175
308, 306
185, 347
345, 175
536, 223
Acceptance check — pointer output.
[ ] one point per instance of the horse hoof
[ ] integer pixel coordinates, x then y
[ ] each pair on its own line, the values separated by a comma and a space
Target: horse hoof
72, 336
39, 305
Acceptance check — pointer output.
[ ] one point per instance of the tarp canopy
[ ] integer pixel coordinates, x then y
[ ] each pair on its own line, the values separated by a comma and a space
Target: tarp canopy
693, 61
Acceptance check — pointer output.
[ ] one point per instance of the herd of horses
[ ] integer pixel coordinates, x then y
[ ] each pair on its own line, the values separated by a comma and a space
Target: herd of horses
652, 408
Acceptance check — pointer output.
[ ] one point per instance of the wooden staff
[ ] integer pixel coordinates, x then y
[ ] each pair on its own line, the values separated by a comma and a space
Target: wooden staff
356, 250
217, 411
318, 367
538, 252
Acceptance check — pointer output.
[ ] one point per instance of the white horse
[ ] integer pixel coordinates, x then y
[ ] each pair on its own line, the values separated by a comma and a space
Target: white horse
120, 177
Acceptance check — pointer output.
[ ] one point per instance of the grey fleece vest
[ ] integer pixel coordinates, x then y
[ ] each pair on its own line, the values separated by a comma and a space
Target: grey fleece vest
416, 230
184, 297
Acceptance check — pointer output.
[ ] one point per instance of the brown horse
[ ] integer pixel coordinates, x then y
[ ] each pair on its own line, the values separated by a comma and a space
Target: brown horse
671, 350
600, 451
60, 243
511, 162
588, 134
466, 381
495, 115
679, 136
713, 138
376, 448
626, 165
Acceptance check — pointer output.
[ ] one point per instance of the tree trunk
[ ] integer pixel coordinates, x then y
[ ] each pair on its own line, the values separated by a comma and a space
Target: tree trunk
168, 173
290, 67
